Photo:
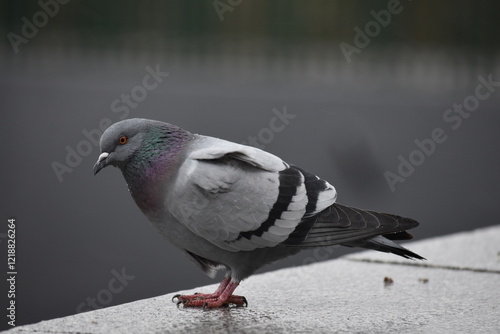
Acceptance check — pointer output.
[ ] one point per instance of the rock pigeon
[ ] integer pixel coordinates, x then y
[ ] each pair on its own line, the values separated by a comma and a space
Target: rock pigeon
235, 207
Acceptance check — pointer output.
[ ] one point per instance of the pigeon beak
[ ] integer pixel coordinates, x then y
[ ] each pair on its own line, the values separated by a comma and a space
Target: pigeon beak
101, 162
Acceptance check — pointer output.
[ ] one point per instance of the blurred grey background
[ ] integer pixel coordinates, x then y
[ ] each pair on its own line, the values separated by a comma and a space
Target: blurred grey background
67, 67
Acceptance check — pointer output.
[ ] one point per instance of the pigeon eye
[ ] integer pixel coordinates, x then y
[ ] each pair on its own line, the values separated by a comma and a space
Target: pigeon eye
122, 140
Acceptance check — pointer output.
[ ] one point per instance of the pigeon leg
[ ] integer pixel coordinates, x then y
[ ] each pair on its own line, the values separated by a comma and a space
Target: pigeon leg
223, 296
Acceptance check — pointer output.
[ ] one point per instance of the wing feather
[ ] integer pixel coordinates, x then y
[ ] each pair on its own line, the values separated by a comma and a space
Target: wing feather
242, 198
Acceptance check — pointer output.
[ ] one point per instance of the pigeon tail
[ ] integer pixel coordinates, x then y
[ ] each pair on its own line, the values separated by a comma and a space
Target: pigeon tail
351, 227
382, 244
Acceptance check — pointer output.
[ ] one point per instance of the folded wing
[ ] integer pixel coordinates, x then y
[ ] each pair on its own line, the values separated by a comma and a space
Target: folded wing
241, 198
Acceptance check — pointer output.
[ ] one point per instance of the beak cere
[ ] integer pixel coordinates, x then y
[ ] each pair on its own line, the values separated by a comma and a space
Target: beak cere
101, 162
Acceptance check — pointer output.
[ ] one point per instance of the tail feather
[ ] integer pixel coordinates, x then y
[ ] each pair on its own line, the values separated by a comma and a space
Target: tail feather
342, 225
382, 244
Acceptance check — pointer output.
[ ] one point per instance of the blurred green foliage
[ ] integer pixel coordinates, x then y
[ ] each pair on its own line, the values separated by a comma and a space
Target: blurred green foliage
447, 23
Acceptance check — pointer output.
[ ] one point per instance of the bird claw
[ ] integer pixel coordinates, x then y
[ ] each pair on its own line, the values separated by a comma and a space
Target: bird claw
222, 297
237, 301
207, 307
207, 303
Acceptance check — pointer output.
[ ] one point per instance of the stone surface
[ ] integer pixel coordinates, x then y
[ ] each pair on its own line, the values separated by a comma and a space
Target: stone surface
455, 291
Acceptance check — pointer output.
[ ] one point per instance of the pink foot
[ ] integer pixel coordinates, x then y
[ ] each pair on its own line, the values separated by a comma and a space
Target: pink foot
222, 297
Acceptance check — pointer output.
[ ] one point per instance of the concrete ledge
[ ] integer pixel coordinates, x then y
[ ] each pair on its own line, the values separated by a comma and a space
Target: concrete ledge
456, 290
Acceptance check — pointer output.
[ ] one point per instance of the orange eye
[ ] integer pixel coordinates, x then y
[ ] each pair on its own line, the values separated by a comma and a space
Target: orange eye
122, 140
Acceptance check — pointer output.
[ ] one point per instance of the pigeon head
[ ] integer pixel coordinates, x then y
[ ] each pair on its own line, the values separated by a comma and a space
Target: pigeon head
133, 143
119, 143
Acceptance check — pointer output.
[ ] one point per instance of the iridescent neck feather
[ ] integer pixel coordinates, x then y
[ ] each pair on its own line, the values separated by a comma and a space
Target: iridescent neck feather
148, 169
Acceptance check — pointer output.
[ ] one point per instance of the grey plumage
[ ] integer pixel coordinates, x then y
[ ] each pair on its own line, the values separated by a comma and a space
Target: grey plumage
235, 207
